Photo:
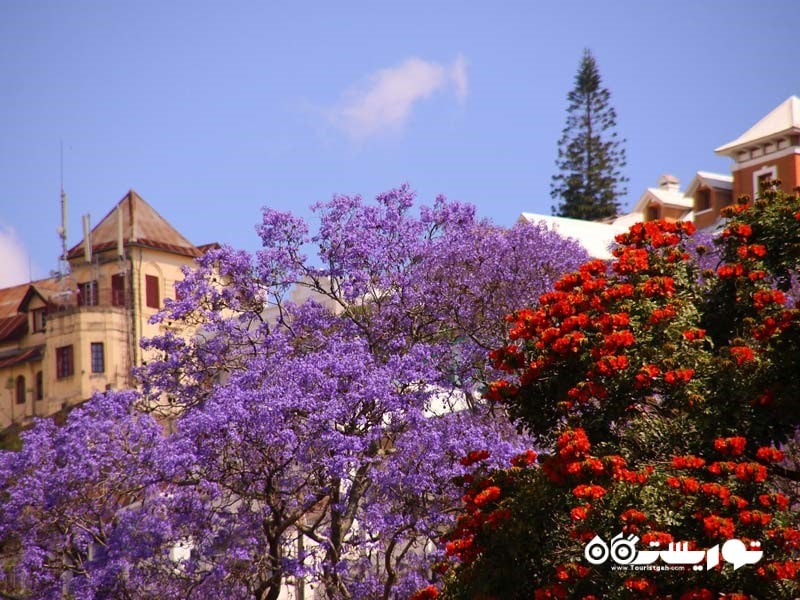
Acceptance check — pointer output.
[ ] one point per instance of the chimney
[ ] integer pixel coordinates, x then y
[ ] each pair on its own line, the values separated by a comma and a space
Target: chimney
669, 183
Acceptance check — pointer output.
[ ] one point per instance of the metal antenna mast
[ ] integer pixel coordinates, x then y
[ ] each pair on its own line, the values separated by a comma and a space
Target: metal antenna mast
63, 264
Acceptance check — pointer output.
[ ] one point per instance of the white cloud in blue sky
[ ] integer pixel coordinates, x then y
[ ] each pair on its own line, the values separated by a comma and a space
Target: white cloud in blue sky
15, 266
385, 102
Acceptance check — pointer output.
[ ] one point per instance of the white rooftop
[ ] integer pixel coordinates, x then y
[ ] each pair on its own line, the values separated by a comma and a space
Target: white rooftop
671, 197
722, 181
783, 119
595, 237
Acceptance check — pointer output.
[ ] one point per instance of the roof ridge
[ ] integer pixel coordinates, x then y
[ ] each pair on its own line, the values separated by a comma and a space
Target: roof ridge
773, 123
141, 223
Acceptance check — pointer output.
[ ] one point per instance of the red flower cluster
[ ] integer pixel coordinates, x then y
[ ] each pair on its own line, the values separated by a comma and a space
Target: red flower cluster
787, 569
659, 538
694, 335
687, 485
768, 454
754, 517
592, 492
717, 527
763, 298
475, 456
427, 593
742, 354
751, 471
656, 234
579, 513
717, 490
730, 271
752, 251
572, 444
525, 459
739, 230
678, 376
660, 315
730, 446
698, 594
688, 462
778, 500
646, 375
644, 587
490, 494
631, 520
571, 572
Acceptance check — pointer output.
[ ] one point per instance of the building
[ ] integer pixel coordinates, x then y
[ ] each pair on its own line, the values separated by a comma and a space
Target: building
63, 339
769, 150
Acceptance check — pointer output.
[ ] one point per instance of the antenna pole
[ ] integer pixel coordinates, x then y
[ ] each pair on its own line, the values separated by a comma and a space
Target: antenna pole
63, 264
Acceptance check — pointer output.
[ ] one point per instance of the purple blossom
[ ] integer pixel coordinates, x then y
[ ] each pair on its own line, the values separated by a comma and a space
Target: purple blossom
311, 427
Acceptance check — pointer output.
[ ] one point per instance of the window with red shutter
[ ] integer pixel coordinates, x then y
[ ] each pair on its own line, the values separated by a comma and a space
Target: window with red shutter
118, 290
152, 298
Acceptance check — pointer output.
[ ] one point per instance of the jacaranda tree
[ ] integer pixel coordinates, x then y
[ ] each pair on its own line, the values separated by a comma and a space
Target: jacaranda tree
662, 396
314, 441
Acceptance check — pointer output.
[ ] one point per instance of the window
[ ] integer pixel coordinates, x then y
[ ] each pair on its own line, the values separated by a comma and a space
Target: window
118, 290
20, 389
702, 200
652, 213
762, 176
87, 293
39, 386
151, 291
39, 319
64, 362
764, 182
98, 358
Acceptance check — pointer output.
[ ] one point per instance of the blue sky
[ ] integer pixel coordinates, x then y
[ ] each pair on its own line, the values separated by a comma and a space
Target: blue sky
212, 110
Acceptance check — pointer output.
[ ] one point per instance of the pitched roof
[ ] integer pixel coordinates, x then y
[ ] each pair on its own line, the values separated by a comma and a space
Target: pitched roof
13, 328
665, 197
783, 119
712, 180
595, 237
20, 356
13, 298
141, 226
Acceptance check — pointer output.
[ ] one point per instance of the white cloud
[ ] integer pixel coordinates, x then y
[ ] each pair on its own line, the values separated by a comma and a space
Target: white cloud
458, 73
15, 266
386, 101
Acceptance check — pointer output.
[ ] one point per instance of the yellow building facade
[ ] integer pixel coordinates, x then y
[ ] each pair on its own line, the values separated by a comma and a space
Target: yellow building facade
65, 338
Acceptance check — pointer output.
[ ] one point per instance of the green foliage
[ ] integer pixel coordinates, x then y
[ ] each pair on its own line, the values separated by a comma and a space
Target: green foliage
591, 158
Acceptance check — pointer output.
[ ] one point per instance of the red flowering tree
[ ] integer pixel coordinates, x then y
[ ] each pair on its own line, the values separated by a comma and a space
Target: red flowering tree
664, 395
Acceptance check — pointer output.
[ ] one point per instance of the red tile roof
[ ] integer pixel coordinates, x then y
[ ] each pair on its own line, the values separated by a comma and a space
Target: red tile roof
12, 298
22, 356
141, 226
13, 328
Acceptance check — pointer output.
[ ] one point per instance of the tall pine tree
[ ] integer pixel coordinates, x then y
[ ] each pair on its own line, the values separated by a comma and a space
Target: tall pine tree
590, 156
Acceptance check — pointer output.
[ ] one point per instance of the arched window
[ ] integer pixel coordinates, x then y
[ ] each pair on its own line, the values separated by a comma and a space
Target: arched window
20, 389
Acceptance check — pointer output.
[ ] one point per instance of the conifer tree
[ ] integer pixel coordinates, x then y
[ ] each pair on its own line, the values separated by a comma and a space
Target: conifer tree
591, 158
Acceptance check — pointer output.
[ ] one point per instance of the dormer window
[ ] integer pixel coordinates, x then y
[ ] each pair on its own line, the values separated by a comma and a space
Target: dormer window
39, 316
702, 200
652, 212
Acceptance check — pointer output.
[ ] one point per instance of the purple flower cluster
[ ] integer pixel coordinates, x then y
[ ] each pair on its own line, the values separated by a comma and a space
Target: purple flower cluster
309, 430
